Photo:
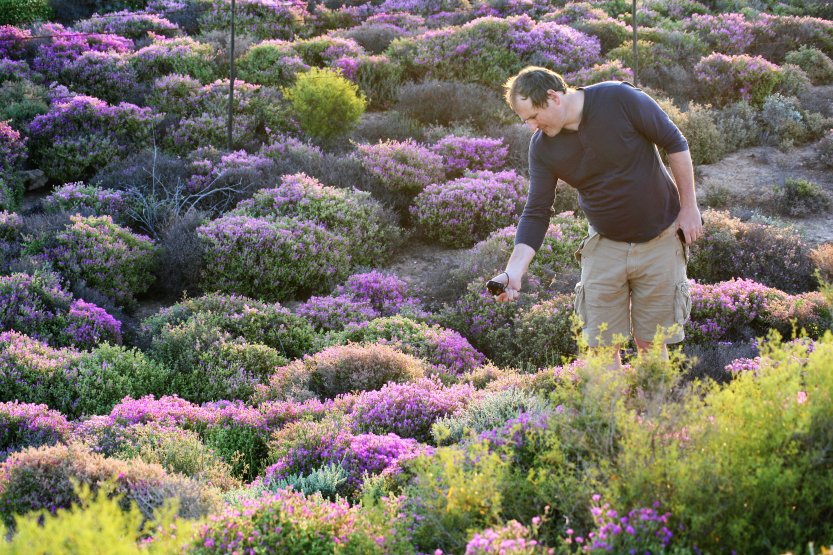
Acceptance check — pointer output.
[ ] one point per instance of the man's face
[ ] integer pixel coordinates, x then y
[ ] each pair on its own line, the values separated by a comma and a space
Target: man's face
549, 119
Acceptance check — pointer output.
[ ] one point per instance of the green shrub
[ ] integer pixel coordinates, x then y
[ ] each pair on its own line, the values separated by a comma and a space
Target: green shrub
111, 372
23, 12
817, 65
325, 103
786, 124
799, 197
731, 482
724, 79
703, 135
42, 478
327, 480
98, 519
545, 333
738, 126
824, 150
271, 62
379, 79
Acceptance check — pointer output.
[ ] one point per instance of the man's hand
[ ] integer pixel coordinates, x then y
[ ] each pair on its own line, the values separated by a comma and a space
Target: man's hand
513, 287
691, 222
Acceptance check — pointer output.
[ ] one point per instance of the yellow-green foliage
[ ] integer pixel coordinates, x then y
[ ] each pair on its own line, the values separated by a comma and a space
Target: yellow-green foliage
746, 466
325, 103
98, 526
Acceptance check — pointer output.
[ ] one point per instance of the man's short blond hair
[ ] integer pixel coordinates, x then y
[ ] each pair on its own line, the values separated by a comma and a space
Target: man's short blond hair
533, 82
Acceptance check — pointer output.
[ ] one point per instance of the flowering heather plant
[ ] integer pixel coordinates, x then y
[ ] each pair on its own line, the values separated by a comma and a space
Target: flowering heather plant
612, 70
373, 231
90, 199
559, 47
65, 47
271, 62
445, 349
408, 409
27, 425
14, 71
461, 212
206, 130
325, 50
775, 35
12, 149
336, 312
386, 293
276, 259
301, 447
11, 224
253, 320
33, 372
174, 94
105, 75
724, 79
88, 325
133, 25
236, 169
181, 55
42, 478
403, 167
372, 454
108, 257
727, 33
642, 530
743, 365
513, 538
471, 153
81, 134
263, 19
545, 333
13, 41
286, 522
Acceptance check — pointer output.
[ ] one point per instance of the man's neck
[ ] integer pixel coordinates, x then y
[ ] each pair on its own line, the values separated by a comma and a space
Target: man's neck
574, 100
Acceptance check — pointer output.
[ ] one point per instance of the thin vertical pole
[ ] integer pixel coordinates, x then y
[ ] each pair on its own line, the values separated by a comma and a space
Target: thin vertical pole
635, 52
231, 81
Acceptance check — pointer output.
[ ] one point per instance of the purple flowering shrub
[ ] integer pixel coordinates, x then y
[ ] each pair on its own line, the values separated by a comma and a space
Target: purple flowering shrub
513, 538
87, 199
776, 35
13, 41
81, 134
64, 47
471, 153
336, 311
402, 168
180, 55
288, 522
771, 255
133, 25
612, 70
42, 478
642, 530
326, 50
346, 368
262, 19
726, 33
724, 79
238, 170
11, 225
271, 62
12, 153
105, 75
33, 372
545, 333
27, 425
408, 409
559, 47
593, 21
276, 258
372, 230
108, 257
444, 349
38, 306
465, 210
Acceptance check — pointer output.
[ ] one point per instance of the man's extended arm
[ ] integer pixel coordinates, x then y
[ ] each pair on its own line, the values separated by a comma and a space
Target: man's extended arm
689, 219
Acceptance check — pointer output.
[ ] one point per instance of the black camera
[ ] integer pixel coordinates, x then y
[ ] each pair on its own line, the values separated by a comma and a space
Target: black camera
495, 287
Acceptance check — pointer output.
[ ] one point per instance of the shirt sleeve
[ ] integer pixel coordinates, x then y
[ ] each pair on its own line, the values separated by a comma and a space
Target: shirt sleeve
535, 218
651, 120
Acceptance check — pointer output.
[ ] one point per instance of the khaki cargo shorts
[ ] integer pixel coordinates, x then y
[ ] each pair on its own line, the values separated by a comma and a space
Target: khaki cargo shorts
632, 288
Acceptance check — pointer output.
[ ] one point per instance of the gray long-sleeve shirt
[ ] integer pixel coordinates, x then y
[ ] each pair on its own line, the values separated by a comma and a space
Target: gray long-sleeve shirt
613, 162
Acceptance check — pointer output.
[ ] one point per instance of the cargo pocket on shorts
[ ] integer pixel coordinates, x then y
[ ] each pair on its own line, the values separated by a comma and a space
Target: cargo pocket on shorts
580, 305
682, 303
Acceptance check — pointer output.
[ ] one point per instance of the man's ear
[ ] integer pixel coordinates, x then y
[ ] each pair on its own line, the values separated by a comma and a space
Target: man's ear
554, 96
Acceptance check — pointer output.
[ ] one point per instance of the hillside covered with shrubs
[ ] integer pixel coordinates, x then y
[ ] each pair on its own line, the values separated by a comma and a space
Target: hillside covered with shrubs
203, 349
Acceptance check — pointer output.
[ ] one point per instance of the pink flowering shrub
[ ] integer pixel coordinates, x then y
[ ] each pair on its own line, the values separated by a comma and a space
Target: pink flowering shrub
12, 153
326, 51
408, 409
386, 293
81, 134
443, 348
592, 21
11, 225
471, 153
271, 62
726, 33
42, 478
38, 306
64, 47
77, 197
133, 25
559, 47
276, 258
287, 522
612, 70
336, 312
724, 79
513, 538
12, 41
27, 425
263, 19
373, 231
105, 75
108, 257
776, 35
239, 170
461, 212
641, 530
33, 372
181, 55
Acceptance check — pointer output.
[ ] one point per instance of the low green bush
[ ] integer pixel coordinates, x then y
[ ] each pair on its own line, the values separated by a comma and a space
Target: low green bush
817, 64
23, 12
326, 104
800, 197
